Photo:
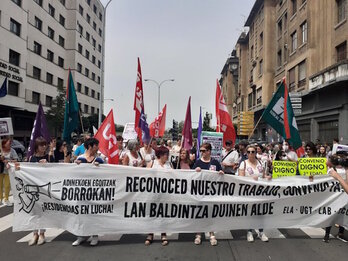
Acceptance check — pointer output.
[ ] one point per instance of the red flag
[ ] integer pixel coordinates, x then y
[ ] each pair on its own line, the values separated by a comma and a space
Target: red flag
106, 135
187, 130
224, 123
158, 127
138, 101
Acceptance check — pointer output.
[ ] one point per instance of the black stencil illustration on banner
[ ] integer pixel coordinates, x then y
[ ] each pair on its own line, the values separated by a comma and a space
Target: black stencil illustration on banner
29, 194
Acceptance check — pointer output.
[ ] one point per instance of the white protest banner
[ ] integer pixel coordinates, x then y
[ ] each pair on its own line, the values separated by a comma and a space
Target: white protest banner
87, 200
6, 128
129, 132
215, 139
339, 148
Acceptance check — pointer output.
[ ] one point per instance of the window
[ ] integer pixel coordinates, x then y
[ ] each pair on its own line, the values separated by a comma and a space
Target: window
38, 23
79, 87
35, 98
14, 58
79, 67
100, 32
94, 42
98, 79
80, 10
87, 54
285, 21
99, 64
17, 2
37, 48
100, 17
86, 108
341, 10
292, 79
49, 78
259, 96
92, 110
260, 67
294, 41
94, 26
301, 74
86, 90
93, 59
36, 73
252, 52
50, 33
341, 51
261, 40
49, 101
304, 32
93, 93
94, 9
99, 47
51, 10
93, 76
15, 27
62, 2
79, 48
61, 41
293, 7
279, 58
50, 55
13, 88
62, 20
250, 100
87, 36
60, 82
86, 72
88, 18
39, 2
98, 96
80, 29
89, 2
60, 62
280, 28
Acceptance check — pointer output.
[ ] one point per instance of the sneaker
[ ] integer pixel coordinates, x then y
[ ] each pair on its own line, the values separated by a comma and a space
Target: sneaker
33, 241
79, 241
326, 238
263, 237
250, 237
341, 237
94, 241
41, 240
8, 203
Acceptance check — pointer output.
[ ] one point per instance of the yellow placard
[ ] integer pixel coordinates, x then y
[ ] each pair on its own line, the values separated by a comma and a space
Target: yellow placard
283, 169
312, 166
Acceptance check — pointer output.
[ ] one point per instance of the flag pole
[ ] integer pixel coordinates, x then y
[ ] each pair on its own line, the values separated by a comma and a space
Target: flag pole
83, 130
252, 132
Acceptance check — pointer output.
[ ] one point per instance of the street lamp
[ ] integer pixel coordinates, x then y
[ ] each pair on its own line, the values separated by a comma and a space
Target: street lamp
159, 90
102, 69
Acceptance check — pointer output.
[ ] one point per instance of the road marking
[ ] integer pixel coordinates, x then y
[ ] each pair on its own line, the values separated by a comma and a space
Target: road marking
6, 222
273, 233
50, 235
223, 235
313, 232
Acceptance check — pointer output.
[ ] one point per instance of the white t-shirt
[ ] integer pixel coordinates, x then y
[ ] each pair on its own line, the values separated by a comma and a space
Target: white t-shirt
147, 156
157, 165
232, 158
250, 170
291, 155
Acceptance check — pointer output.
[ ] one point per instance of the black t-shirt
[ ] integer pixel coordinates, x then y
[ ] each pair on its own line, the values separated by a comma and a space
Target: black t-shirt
38, 158
212, 165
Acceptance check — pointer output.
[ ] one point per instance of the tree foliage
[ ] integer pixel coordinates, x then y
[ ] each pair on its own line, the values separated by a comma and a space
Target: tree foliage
55, 115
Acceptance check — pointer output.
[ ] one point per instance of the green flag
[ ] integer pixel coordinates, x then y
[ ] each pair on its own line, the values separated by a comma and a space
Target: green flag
280, 115
71, 115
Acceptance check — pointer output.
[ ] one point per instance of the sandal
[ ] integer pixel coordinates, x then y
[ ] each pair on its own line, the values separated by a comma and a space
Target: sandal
213, 240
164, 240
198, 239
149, 240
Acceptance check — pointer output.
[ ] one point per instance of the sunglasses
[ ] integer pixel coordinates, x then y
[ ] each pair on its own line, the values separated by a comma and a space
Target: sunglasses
251, 151
308, 149
202, 151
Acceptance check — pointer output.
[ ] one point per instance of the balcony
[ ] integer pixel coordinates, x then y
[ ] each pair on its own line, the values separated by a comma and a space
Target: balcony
335, 73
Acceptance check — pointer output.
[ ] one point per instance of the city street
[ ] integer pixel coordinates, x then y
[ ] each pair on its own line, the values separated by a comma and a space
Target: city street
284, 244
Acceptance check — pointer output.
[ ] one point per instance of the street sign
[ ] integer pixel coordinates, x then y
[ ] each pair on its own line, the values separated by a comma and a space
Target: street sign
297, 106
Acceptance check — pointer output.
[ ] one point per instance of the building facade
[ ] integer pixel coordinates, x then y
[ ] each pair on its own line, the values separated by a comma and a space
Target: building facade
304, 41
41, 40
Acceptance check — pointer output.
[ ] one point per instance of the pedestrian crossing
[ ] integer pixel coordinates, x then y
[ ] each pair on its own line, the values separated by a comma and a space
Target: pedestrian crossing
54, 234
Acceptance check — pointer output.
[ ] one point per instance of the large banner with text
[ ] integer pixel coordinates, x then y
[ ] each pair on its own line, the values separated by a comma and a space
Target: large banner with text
87, 200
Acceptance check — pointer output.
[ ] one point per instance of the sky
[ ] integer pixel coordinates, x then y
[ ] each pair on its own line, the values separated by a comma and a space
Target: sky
185, 40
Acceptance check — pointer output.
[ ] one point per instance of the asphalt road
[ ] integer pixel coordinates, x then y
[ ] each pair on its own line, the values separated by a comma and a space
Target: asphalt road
284, 244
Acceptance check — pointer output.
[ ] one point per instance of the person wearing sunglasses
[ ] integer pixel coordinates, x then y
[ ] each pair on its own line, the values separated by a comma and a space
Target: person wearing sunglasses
252, 167
61, 153
206, 162
311, 150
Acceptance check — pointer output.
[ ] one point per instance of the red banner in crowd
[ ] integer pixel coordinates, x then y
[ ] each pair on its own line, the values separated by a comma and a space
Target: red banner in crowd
158, 127
138, 101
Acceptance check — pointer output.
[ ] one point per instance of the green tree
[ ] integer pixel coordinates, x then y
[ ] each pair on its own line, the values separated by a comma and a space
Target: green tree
55, 115
206, 122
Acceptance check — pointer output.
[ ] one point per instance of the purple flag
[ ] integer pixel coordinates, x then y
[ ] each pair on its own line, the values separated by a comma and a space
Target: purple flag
39, 130
199, 132
144, 127
187, 130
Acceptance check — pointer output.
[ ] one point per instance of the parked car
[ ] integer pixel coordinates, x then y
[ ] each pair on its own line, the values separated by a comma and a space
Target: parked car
19, 148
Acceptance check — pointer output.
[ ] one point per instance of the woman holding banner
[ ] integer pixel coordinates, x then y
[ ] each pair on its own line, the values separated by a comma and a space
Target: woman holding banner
252, 167
208, 163
183, 161
161, 162
133, 157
